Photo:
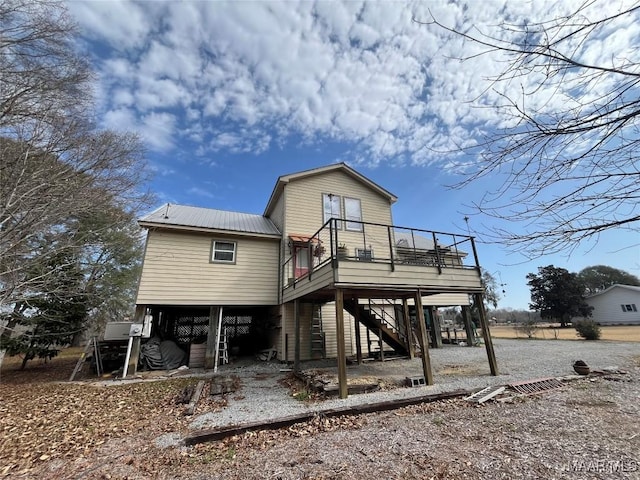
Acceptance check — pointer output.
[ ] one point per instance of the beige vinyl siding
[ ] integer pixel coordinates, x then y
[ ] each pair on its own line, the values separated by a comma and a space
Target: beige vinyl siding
330, 331
277, 214
322, 277
289, 332
328, 327
304, 209
445, 300
177, 271
450, 280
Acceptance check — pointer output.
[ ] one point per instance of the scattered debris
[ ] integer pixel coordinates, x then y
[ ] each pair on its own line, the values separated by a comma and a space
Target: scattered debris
416, 381
533, 387
185, 395
194, 399
266, 355
581, 367
485, 394
223, 385
208, 435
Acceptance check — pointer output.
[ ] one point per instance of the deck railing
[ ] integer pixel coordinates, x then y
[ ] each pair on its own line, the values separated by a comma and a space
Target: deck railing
349, 240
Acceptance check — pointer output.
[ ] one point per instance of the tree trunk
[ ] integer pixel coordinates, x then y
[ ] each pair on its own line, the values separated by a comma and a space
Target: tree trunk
5, 334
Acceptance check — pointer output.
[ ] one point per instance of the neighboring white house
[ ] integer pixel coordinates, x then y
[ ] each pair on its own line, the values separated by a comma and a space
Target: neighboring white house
617, 305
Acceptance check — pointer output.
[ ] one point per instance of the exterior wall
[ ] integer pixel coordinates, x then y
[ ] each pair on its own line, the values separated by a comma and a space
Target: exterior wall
329, 329
607, 309
450, 280
277, 215
289, 332
177, 271
304, 210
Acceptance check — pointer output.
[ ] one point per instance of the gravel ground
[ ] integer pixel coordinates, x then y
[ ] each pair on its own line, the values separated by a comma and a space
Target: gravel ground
587, 430
263, 396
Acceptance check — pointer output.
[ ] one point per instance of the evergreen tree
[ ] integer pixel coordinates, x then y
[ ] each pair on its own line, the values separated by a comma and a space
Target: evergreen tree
557, 294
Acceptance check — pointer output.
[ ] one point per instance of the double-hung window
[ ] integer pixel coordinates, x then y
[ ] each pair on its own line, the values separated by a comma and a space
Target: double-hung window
353, 214
331, 207
223, 252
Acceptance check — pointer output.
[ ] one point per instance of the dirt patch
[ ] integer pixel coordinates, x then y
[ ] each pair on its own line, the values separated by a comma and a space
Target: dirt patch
459, 370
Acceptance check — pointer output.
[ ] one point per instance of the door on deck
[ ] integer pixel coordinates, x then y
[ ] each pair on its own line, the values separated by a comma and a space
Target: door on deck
301, 261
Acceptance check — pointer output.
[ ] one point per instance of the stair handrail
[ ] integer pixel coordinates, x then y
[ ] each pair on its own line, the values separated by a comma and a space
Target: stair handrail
382, 317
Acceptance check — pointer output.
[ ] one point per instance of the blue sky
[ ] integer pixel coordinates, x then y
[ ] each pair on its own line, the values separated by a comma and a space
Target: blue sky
227, 96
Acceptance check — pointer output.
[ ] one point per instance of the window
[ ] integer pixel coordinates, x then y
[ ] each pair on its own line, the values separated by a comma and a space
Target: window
364, 254
223, 252
629, 307
353, 214
331, 207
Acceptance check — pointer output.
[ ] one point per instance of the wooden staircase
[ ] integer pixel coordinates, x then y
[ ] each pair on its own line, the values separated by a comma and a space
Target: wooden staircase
375, 322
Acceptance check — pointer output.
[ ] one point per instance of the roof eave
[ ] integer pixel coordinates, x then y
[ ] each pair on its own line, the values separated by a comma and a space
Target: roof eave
218, 231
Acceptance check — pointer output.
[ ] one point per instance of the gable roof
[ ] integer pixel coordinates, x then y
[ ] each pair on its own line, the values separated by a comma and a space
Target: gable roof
208, 219
617, 285
284, 179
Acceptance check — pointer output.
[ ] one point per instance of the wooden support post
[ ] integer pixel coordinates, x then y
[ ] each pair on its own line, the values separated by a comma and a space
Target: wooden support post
407, 326
134, 357
468, 326
368, 343
342, 357
380, 343
210, 352
358, 334
422, 338
296, 340
486, 335
436, 334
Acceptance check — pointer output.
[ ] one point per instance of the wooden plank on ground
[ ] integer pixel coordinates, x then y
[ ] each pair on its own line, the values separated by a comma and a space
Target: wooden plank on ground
209, 435
194, 400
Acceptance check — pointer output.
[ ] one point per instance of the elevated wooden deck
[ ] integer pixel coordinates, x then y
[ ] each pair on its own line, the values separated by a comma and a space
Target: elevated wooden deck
379, 279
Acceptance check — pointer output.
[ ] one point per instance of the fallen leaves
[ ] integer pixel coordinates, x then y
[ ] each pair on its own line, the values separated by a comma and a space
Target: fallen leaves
40, 422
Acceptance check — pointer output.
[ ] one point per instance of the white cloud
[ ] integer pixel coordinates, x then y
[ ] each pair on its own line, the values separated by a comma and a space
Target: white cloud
243, 77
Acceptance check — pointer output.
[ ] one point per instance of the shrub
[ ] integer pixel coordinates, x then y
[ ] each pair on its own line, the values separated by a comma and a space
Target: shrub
588, 329
528, 327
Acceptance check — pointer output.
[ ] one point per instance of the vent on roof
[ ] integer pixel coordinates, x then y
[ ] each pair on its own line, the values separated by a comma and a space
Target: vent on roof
166, 212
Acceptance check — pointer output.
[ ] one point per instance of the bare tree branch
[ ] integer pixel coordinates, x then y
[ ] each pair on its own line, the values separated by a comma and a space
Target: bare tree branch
566, 165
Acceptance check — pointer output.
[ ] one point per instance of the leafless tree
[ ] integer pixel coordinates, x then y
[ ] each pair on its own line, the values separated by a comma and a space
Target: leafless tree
566, 164
56, 166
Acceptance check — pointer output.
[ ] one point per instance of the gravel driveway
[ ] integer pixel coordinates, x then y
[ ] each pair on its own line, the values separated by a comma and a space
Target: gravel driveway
263, 397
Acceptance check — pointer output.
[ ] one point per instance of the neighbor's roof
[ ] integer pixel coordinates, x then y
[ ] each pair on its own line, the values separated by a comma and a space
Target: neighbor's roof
617, 285
284, 179
198, 218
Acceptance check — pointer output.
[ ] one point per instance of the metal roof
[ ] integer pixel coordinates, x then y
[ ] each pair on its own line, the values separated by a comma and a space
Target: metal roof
209, 218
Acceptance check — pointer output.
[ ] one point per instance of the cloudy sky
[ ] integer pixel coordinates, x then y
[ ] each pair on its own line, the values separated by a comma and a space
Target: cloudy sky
229, 95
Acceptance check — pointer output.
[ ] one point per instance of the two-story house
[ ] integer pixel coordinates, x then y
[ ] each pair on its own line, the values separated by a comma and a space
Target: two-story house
322, 273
